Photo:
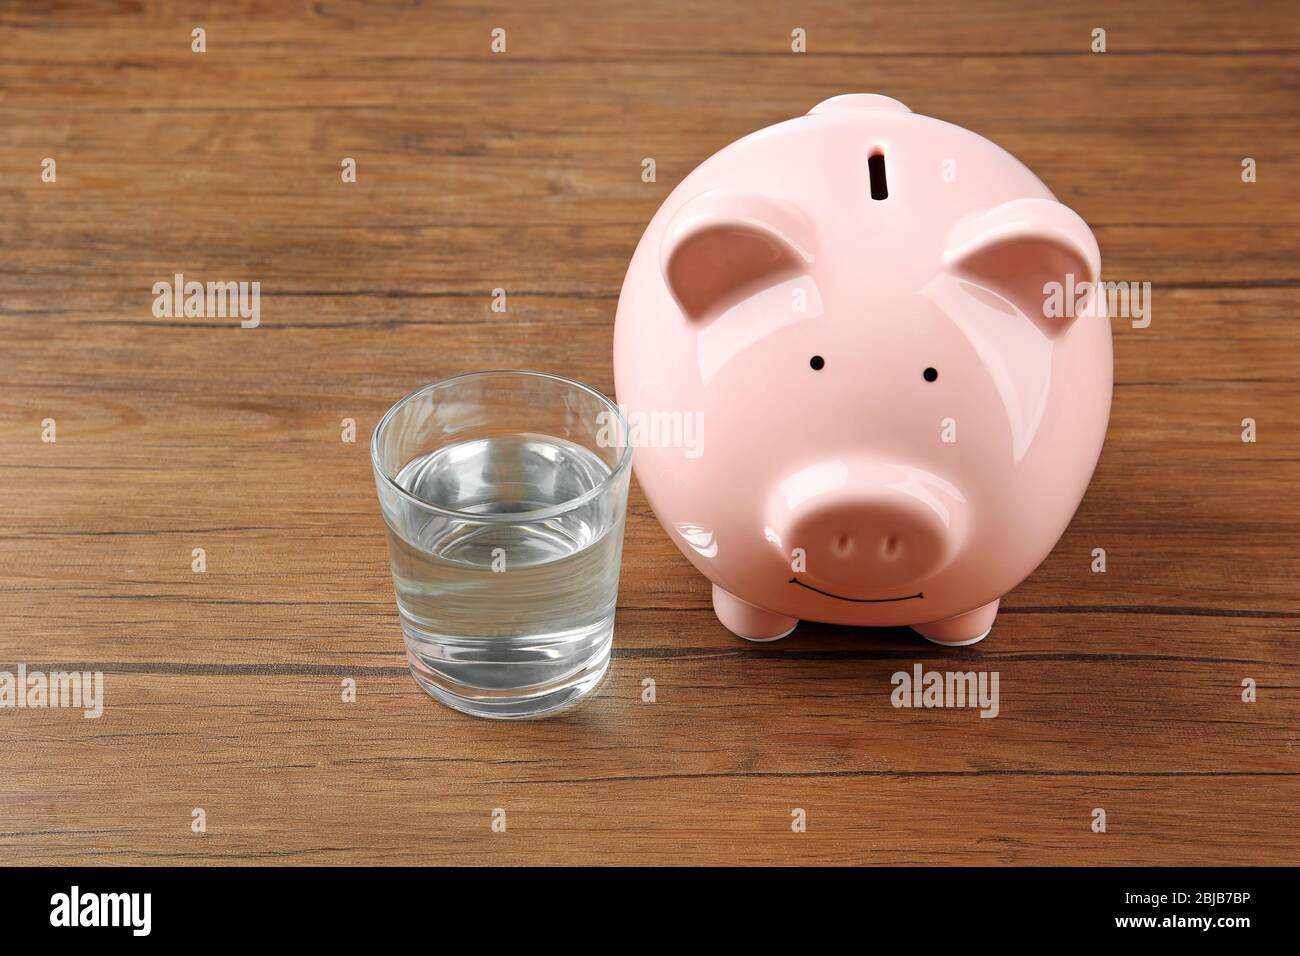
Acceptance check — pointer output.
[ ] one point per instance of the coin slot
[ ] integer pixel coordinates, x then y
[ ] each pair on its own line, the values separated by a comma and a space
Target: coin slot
876, 170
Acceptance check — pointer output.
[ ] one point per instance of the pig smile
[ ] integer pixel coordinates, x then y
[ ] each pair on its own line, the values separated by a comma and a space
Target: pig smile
837, 597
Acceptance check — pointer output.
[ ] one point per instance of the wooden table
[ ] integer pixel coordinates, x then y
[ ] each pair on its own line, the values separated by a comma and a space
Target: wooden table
522, 171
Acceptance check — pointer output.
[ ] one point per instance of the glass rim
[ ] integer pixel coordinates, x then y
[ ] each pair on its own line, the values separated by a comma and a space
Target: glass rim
537, 514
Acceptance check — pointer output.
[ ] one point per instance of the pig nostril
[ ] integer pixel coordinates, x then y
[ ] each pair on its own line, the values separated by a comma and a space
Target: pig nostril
891, 547
843, 545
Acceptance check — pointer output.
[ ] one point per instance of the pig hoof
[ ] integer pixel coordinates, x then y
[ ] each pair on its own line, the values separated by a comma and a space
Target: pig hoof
962, 630
966, 643
752, 623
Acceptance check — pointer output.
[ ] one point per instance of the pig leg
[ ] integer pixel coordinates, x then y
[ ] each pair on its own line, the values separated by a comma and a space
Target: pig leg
961, 629
752, 623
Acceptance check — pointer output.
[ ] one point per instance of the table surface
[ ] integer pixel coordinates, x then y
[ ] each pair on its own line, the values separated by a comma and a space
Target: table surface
1121, 691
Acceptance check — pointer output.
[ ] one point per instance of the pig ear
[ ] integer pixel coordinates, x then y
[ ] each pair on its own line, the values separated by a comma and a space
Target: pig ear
1017, 248
722, 247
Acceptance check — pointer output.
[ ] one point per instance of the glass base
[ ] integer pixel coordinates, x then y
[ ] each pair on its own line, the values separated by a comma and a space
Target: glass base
522, 703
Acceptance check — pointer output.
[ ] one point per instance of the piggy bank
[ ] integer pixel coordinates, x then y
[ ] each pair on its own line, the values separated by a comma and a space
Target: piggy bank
867, 372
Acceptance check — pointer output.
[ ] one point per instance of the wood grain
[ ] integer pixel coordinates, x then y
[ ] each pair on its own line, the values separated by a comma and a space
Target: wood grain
522, 171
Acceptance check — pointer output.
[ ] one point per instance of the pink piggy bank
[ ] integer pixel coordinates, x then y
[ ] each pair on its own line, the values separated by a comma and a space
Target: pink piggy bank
867, 371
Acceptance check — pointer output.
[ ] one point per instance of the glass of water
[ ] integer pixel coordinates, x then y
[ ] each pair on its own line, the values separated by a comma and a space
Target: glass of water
504, 493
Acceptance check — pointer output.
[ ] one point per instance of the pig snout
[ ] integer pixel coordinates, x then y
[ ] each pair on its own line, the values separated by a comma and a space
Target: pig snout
859, 530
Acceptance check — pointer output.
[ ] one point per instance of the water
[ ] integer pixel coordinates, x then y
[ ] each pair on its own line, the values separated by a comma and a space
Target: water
507, 618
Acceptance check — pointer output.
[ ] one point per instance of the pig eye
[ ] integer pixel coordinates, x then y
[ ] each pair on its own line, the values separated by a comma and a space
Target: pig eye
817, 363
930, 374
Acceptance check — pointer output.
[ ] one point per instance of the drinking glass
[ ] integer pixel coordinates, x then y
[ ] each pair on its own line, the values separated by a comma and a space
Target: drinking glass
504, 494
